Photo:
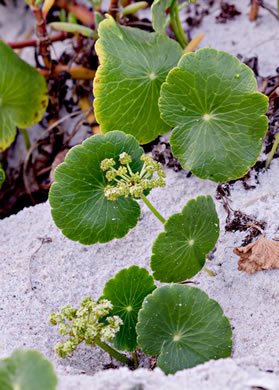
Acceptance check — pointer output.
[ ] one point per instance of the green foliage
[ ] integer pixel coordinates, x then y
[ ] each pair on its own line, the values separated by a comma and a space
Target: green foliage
179, 253
183, 326
159, 20
79, 206
27, 370
133, 66
85, 206
126, 291
23, 95
219, 118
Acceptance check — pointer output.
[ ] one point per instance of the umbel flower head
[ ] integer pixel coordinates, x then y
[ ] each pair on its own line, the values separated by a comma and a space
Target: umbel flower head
82, 324
128, 183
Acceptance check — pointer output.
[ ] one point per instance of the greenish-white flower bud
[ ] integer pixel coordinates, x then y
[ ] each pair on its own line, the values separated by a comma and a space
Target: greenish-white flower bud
125, 158
136, 190
111, 175
122, 171
107, 163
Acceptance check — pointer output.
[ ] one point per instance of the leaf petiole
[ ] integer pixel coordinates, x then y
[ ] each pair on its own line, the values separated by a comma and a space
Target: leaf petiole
176, 25
152, 208
136, 363
272, 152
115, 354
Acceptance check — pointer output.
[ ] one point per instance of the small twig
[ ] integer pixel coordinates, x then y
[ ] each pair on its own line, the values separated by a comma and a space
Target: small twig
42, 34
270, 10
77, 127
114, 9
256, 227
35, 145
37, 42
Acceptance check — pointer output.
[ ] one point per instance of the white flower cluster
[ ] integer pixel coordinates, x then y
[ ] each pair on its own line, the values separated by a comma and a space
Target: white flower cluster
126, 182
83, 324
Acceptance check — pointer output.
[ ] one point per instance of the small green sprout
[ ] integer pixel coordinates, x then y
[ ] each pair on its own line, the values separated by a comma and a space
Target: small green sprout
83, 324
128, 182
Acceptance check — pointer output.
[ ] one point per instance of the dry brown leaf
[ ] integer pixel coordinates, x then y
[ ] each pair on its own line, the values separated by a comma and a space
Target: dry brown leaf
260, 254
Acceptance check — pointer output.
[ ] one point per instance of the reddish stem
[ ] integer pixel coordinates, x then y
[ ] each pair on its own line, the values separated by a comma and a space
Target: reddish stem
41, 32
114, 9
35, 42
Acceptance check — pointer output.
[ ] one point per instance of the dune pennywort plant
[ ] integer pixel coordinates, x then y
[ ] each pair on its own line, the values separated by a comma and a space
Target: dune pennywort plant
177, 322
94, 199
146, 86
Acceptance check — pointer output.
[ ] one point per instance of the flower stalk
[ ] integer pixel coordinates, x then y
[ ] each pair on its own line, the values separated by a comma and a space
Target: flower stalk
115, 354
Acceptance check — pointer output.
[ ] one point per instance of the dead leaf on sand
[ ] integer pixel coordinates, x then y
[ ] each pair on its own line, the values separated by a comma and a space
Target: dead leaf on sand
259, 255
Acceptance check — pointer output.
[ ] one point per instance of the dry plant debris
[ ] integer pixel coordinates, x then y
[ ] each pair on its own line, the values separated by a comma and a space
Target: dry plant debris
259, 255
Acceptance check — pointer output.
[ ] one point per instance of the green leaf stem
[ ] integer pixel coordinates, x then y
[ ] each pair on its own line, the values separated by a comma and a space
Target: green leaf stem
183, 326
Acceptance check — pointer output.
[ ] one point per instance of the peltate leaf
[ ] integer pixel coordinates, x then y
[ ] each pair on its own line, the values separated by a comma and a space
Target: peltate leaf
158, 10
126, 291
179, 253
23, 95
184, 326
27, 370
133, 66
219, 118
79, 206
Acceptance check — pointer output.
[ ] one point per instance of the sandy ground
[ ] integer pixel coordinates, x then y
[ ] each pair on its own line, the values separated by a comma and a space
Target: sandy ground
42, 270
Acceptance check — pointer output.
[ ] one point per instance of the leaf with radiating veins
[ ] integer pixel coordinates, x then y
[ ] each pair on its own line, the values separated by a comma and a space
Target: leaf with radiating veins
23, 95
218, 117
133, 66
126, 291
79, 206
179, 253
184, 327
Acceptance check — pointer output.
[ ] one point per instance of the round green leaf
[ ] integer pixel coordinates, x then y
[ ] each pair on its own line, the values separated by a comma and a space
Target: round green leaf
23, 95
27, 370
79, 206
134, 64
126, 291
219, 118
184, 326
179, 253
